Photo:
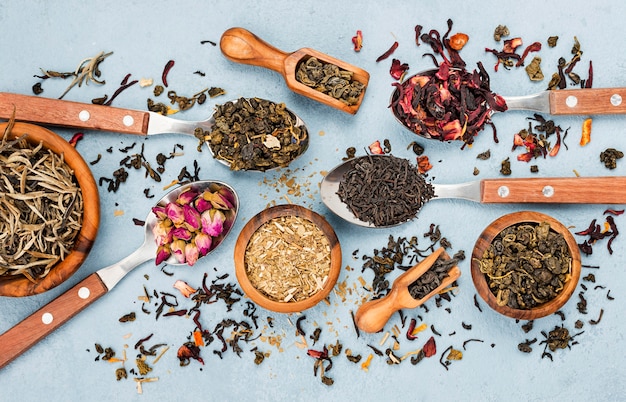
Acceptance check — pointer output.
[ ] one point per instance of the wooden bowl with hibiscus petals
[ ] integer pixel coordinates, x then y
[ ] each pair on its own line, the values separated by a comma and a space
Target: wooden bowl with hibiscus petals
287, 258
19, 285
541, 287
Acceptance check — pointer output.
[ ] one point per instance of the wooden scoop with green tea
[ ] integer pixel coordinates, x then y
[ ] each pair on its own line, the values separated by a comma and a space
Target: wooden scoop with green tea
373, 315
242, 46
85, 116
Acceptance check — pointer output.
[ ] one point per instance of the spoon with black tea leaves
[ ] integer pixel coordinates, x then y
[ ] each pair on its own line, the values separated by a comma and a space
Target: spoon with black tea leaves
585, 101
128, 121
555, 190
43, 322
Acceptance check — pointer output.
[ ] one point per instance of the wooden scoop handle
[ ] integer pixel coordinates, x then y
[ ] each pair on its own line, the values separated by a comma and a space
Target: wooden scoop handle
64, 113
590, 101
242, 46
567, 190
43, 322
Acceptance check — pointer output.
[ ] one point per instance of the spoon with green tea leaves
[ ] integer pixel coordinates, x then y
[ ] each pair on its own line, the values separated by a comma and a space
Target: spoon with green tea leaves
385, 190
280, 135
451, 103
188, 223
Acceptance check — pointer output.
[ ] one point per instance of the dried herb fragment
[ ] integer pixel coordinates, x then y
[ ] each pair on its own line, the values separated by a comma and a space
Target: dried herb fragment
610, 156
357, 41
166, 70
388, 53
128, 317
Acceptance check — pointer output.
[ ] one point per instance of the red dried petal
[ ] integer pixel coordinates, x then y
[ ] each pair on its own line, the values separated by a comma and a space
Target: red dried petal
398, 69
357, 40
75, 138
388, 52
430, 348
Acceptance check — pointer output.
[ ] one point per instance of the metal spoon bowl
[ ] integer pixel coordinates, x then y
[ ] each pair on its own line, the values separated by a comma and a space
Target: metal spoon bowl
31, 330
107, 118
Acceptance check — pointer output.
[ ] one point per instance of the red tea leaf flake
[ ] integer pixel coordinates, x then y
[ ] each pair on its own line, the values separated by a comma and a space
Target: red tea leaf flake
430, 348
388, 52
357, 40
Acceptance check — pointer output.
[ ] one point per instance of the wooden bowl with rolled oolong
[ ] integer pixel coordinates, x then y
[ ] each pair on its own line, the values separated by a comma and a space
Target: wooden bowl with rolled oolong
287, 258
544, 291
20, 285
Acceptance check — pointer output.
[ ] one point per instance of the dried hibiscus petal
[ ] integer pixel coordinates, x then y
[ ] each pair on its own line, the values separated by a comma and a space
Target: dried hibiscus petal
430, 348
398, 69
357, 40
388, 52
188, 351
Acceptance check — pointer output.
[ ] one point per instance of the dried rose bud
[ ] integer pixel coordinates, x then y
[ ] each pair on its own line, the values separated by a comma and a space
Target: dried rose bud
191, 254
175, 213
203, 242
178, 250
180, 233
163, 253
213, 222
186, 197
192, 217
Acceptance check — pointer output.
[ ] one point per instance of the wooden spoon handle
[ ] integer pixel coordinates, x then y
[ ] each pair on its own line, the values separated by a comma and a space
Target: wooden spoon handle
572, 190
40, 324
73, 114
242, 46
588, 101
373, 315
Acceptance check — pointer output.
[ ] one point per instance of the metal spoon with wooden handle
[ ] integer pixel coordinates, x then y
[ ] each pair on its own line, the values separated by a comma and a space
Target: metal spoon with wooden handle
43, 322
242, 46
373, 315
587, 101
557, 190
87, 116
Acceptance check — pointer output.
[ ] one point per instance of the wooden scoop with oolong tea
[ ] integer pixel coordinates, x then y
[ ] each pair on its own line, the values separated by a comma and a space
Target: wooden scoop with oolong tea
275, 135
306, 71
410, 290
359, 190
31, 330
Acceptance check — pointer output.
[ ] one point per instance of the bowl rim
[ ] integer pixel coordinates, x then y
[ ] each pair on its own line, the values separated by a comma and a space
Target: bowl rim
485, 239
21, 286
251, 227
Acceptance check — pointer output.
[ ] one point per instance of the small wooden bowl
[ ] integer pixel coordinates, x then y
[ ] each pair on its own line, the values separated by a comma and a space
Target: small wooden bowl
19, 286
242, 243
488, 235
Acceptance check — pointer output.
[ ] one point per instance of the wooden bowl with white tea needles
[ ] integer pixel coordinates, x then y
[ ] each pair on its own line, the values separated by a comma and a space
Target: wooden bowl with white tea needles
57, 186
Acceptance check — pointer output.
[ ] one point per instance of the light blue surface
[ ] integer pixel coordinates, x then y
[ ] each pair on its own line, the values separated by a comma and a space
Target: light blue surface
56, 35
